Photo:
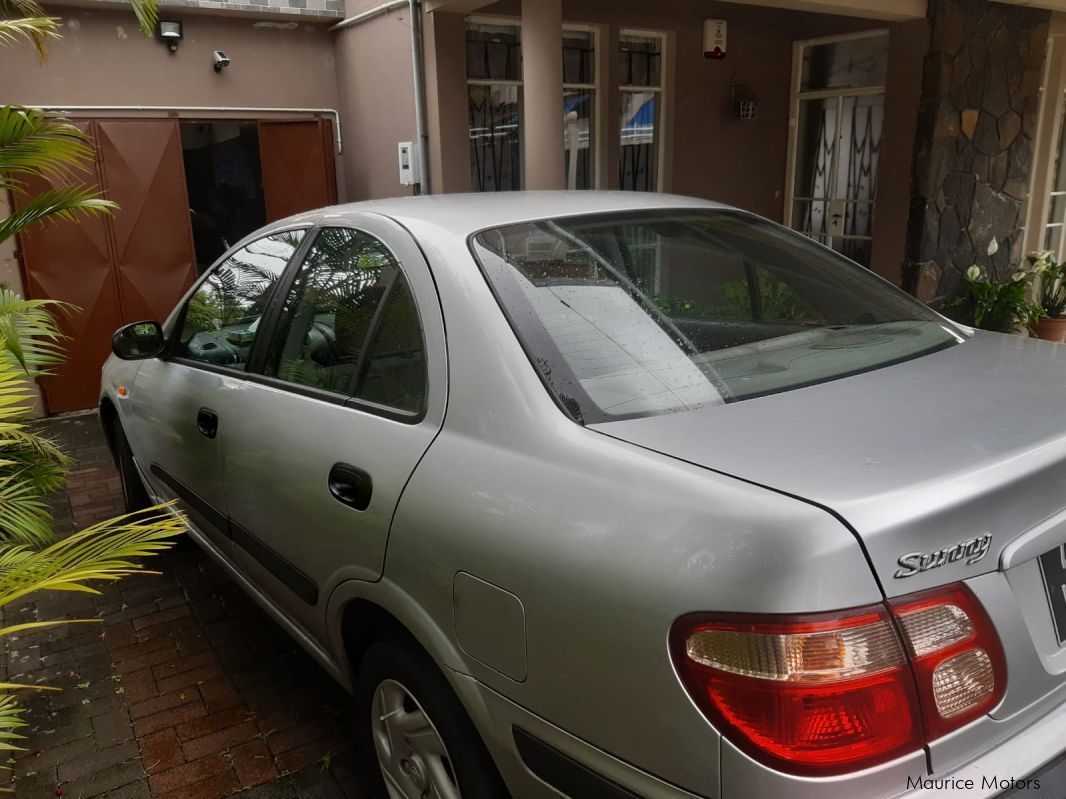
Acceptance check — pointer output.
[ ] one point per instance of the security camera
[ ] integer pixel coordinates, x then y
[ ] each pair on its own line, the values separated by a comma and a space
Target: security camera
221, 61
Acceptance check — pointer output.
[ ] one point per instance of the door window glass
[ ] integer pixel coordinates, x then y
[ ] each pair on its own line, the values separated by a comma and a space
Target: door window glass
328, 313
395, 372
222, 317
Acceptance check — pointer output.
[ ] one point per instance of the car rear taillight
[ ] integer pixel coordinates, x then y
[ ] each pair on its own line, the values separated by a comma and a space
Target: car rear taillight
958, 660
830, 693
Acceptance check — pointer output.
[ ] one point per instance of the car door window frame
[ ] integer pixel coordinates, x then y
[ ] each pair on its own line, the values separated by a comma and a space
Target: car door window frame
272, 317
177, 322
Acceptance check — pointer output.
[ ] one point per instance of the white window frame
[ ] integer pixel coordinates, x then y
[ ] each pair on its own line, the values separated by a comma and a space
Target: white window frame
1049, 133
510, 22
796, 96
661, 90
596, 140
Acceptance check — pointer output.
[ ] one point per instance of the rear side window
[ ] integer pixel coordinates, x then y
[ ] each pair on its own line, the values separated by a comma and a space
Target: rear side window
395, 370
221, 319
348, 325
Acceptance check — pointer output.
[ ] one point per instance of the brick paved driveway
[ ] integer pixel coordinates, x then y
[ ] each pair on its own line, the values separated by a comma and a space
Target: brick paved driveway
186, 690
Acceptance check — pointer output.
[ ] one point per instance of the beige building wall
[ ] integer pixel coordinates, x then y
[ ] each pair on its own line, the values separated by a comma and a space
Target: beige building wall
377, 101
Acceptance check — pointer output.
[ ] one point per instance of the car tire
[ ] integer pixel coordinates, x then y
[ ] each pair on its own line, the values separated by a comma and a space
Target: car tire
133, 491
399, 678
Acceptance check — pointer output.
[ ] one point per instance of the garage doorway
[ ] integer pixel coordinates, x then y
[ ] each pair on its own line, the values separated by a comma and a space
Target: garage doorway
224, 181
137, 264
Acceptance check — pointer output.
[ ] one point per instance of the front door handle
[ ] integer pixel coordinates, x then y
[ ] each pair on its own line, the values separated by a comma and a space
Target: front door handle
350, 485
207, 422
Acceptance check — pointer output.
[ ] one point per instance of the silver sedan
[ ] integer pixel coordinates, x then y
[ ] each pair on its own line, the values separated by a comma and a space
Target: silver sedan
619, 495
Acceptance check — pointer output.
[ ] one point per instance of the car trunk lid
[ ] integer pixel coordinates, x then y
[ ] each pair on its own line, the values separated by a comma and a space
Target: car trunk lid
937, 464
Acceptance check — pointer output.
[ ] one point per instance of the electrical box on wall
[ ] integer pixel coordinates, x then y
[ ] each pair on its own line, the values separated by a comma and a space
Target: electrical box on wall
408, 159
714, 33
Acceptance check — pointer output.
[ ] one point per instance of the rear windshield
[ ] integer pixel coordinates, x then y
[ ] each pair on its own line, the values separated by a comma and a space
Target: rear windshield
637, 314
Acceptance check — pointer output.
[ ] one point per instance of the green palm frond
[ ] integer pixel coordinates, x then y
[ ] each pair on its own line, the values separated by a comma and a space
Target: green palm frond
147, 13
22, 8
34, 142
30, 331
10, 720
24, 515
37, 30
62, 203
105, 552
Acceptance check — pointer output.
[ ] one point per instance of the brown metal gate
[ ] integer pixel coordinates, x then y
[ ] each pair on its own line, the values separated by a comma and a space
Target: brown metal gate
137, 264
298, 169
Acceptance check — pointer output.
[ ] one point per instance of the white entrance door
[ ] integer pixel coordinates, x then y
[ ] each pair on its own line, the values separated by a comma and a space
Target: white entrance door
836, 128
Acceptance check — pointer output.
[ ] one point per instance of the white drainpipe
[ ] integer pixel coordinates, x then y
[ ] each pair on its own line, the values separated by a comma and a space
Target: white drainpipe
202, 109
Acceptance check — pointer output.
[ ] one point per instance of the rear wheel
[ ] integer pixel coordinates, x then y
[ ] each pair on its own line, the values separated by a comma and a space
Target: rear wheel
133, 491
426, 745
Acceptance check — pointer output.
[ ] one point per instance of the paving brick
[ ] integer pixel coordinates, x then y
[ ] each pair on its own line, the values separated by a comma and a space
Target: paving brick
219, 694
187, 774
165, 702
160, 617
98, 761
254, 764
303, 756
135, 790
182, 664
192, 677
294, 737
168, 718
219, 741
103, 781
211, 788
138, 686
161, 751
112, 728
213, 723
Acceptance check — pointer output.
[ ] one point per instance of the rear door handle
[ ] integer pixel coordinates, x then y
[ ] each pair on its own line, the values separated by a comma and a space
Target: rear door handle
207, 422
350, 485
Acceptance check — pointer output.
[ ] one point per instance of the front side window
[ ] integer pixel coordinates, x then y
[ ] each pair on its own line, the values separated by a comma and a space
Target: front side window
733, 307
221, 319
334, 314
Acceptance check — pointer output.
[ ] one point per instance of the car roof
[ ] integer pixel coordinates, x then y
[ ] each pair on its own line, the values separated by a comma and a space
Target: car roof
463, 214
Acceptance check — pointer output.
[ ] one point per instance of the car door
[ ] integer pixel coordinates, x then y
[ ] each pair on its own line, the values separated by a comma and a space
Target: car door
351, 393
179, 403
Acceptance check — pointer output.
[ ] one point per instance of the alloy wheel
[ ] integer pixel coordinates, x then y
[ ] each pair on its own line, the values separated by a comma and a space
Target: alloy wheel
413, 758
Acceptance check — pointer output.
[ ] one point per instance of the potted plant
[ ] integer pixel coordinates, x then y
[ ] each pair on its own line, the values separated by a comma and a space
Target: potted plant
1050, 296
1001, 307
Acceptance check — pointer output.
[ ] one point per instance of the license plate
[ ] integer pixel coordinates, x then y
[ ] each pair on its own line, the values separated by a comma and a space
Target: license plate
1053, 567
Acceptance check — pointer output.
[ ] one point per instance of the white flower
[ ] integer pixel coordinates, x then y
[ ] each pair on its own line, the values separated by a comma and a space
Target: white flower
1018, 276
993, 246
973, 274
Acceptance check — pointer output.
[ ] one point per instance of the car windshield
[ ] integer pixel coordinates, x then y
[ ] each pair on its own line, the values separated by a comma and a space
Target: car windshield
636, 314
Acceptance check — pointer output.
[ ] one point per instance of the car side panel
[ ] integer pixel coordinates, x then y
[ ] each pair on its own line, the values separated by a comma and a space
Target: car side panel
606, 545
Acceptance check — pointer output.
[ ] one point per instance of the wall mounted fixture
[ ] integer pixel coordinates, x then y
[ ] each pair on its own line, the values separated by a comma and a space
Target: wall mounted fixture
714, 39
169, 32
221, 61
743, 100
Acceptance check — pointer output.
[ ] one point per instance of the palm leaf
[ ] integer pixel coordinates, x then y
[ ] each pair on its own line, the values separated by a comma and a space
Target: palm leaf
105, 552
34, 142
62, 203
30, 331
147, 13
35, 29
22, 8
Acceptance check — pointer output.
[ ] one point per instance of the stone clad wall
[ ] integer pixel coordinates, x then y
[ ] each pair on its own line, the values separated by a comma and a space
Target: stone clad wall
974, 146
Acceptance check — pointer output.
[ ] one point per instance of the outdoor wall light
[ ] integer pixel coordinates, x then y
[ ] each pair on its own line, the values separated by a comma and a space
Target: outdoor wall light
169, 32
745, 103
